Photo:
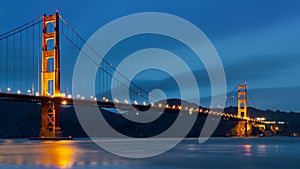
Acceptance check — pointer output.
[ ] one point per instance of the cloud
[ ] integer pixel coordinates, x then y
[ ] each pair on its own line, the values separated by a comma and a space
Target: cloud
260, 67
286, 99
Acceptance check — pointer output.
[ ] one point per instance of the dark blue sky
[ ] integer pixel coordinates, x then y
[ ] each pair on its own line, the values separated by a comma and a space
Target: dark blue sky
257, 41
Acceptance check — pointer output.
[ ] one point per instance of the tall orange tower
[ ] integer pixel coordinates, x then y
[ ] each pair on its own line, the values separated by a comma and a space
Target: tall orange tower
242, 100
50, 78
242, 126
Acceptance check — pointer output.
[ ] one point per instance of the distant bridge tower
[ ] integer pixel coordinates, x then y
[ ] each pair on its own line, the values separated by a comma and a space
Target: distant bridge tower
242, 126
50, 78
242, 100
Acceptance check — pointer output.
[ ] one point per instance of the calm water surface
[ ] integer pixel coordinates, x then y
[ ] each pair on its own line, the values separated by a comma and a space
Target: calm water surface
217, 153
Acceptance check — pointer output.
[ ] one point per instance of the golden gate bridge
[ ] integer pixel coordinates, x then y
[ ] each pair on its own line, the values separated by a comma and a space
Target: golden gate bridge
36, 65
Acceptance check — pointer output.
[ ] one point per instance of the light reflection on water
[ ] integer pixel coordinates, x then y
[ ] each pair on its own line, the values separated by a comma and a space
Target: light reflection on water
60, 153
216, 153
247, 148
53, 154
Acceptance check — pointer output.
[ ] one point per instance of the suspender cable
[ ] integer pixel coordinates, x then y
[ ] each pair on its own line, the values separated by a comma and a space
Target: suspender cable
7, 85
32, 84
20, 60
39, 55
1, 67
27, 59
14, 61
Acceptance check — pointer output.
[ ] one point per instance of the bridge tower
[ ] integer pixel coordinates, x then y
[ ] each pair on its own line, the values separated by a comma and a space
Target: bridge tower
50, 78
242, 127
242, 100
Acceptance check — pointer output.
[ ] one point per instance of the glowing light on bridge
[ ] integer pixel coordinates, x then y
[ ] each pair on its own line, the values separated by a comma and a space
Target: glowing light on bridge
269, 122
191, 111
116, 100
64, 102
8, 89
126, 101
69, 96
19, 91
260, 118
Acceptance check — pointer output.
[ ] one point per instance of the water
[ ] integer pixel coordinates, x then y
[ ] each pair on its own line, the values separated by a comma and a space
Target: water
245, 153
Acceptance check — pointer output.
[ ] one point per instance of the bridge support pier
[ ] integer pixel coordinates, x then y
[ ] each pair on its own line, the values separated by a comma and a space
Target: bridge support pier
50, 119
243, 129
50, 127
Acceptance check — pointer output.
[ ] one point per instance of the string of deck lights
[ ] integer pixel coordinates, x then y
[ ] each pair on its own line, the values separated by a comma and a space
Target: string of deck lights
190, 110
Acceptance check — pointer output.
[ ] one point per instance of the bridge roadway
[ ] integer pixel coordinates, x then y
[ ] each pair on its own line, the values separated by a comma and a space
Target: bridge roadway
10, 97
